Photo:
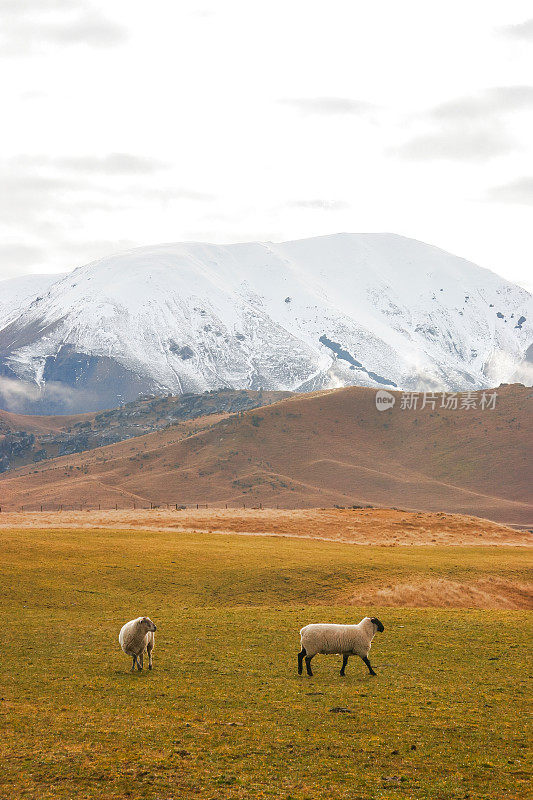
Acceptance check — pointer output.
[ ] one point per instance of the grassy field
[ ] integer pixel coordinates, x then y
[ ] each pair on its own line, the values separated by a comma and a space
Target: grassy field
224, 713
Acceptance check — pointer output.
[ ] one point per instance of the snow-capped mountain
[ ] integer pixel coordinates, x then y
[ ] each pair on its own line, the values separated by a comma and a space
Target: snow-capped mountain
368, 309
15, 293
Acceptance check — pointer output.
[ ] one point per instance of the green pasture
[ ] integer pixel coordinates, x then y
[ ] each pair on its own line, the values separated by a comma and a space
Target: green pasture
224, 714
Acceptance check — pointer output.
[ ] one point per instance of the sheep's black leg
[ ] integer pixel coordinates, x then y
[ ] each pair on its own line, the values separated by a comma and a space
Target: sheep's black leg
344, 662
301, 655
369, 665
308, 665
134, 663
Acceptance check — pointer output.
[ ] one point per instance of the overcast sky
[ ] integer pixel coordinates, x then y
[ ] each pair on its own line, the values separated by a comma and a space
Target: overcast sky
127, 123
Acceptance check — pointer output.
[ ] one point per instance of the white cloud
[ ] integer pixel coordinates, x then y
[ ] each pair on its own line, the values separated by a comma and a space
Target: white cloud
522, 31
457, 143
471, 128
502, 368
19, 396
18, 254
245, 121
518, 191
491, 104
33, 26
321, 205
43, 199
109, 164
328, 106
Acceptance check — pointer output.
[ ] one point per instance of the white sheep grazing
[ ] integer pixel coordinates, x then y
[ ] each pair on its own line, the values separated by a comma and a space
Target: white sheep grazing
137, 637
348, 640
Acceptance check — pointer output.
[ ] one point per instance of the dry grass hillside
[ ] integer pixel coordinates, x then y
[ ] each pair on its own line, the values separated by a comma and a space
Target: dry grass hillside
11, 422
322, 449
380, 527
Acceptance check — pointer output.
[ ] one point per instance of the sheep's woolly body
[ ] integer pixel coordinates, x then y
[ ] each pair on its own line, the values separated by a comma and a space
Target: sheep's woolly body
328, 638
134, 638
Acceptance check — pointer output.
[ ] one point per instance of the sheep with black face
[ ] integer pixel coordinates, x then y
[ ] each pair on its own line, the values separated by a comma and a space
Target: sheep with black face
136, 637
346, 640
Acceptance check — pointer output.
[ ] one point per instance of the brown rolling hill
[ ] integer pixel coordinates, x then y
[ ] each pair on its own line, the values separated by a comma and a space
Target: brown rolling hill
322, 449
11, 422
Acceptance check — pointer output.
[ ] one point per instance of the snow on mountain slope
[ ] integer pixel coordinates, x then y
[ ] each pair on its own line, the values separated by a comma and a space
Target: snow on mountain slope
16, 292
367, 309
